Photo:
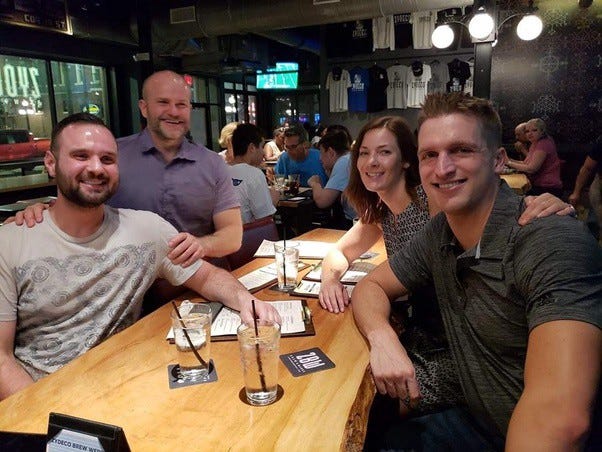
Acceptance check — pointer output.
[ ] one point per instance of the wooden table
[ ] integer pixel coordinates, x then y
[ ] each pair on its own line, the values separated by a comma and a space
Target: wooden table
518, 182
123, 381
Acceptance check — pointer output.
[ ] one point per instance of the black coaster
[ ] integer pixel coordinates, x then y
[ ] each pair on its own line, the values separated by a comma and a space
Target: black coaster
306, 362
242, 395
175, 382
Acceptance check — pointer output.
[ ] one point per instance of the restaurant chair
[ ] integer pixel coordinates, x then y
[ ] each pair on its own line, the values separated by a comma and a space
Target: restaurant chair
252, 235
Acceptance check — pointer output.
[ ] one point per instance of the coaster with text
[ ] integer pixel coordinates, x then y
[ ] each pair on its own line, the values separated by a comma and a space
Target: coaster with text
306, 362
175, 382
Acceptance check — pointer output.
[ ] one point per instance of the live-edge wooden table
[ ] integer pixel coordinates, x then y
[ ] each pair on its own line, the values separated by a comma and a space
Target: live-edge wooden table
123, 381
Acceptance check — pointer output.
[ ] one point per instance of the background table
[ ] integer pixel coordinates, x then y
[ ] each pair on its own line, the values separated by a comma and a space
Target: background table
123, 381
518, 182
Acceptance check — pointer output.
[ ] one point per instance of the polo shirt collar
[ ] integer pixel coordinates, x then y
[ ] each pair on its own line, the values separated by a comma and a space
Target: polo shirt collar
497, 229
188, 151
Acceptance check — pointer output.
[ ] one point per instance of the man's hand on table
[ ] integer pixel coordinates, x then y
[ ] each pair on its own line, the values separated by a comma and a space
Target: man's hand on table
264, 311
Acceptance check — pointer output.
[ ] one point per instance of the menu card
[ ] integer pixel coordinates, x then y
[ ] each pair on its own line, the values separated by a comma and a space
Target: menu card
262, 277
312, 289
291, 312
356, 271
307, 249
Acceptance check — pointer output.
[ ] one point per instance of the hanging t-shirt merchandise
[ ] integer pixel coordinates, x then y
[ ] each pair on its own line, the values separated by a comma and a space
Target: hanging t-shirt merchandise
439, 77
358, 92
459, 72
468, 86
383, 33
423, 25
377, 88
420, 74
397, 91
337, 83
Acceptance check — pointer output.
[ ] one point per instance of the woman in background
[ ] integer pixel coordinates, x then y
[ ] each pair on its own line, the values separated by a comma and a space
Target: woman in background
541, 164
225, 142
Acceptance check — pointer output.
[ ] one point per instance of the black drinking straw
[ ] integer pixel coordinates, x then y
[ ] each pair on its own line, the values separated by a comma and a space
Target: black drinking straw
201, 360
258, 356
284, 255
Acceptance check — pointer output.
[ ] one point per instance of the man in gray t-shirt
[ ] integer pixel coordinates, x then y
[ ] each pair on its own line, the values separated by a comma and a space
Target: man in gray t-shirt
522, 307
79, 277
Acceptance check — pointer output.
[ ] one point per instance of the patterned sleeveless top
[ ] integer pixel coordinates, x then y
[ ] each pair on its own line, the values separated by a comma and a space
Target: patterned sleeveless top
400, 229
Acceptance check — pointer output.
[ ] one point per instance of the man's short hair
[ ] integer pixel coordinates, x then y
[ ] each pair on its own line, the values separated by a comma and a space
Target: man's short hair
296, 130
440, 104
337, 140
342, 128
76, 118
243, 135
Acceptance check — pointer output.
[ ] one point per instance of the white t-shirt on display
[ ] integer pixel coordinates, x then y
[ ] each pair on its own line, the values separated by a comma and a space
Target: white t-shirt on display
423, 25
397, 91
417, 87
337, 90
383, 33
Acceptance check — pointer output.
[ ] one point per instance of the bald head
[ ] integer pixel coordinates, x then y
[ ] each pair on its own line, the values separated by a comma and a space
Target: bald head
166, 106
165, 79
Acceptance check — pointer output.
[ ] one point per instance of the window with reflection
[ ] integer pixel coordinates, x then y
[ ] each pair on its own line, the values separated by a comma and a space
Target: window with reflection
24, 101
80, 88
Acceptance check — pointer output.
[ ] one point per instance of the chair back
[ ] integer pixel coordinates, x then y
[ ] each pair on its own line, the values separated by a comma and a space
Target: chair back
252, 235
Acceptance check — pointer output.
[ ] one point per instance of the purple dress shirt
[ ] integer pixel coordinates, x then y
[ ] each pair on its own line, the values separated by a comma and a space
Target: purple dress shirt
187, 192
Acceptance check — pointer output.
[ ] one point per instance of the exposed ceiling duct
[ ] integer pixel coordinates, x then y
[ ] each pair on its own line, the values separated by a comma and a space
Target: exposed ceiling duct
219, 17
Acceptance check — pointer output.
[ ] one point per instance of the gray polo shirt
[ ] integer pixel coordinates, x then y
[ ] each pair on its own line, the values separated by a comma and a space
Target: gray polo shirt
492, 296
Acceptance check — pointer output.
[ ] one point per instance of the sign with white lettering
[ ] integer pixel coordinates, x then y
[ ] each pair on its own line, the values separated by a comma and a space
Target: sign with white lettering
49, 15
68, 434
306, 361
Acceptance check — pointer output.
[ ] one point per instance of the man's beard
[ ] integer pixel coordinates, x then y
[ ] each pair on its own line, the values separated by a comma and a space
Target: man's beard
74, 193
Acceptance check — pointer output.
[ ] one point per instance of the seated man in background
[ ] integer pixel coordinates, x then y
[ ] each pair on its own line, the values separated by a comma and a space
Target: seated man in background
299, 158
334, 155
257, 200
520, 305
79, 277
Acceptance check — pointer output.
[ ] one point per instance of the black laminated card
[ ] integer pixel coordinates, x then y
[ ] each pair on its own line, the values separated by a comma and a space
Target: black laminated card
69, 433
306, 362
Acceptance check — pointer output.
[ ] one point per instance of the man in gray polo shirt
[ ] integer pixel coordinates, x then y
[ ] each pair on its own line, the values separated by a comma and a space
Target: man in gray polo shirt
522, 306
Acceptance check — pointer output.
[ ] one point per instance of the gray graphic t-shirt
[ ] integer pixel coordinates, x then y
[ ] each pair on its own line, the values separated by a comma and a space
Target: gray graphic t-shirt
69, 294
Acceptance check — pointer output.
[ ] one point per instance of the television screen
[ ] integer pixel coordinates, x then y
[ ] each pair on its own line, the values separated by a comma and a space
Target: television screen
283, 76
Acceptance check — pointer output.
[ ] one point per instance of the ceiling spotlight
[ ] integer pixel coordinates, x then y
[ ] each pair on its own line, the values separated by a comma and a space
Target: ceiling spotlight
442, 36
529, 27
481, 25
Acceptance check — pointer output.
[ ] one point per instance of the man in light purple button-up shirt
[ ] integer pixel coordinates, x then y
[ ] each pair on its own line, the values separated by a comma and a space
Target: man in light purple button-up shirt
185, 183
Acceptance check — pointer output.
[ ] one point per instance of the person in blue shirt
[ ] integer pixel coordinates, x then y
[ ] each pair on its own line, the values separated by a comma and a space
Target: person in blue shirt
334, 155
299, 158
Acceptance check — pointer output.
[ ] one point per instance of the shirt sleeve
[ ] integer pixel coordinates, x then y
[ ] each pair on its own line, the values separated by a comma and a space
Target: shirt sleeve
558, 269
175, 274
8, 284
226, 197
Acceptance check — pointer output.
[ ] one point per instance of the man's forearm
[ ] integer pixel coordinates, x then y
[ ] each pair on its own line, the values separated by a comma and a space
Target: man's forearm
371, 310
221, 242
13, 378
219, 285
